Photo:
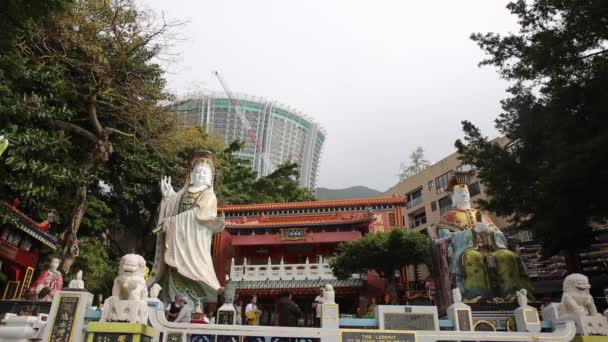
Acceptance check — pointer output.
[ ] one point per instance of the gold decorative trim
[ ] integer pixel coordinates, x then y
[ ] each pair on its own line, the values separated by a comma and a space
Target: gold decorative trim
8, 286
27, 279
492, 324
54, 317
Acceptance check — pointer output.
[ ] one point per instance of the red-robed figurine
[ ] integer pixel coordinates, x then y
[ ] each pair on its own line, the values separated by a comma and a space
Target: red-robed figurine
48, 282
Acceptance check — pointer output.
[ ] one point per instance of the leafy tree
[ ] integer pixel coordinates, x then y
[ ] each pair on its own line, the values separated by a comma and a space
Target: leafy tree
95, 89
238, 182
550, 178
416, 165
383, 252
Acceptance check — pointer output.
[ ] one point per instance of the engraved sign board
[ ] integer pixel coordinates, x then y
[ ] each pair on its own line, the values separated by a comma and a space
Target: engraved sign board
63, 322
24, 307
531, 316
464, 319
112, 337
376, 336
409, 321
225, 317
174, 337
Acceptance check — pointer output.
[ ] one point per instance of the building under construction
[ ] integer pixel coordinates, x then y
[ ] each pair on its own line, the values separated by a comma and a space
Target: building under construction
272, 133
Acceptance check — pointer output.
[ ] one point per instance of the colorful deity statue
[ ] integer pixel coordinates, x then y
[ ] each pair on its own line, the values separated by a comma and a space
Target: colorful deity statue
187, 222
481, 265
48, 282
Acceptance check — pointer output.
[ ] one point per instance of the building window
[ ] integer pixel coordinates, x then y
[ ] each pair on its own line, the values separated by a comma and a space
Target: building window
431, 185
418, 220
445, 204
414, 198
433, 206
441, 182
474, 189
391, 220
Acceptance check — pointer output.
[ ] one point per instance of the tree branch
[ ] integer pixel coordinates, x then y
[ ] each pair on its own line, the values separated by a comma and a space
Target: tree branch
68, 127
93, 112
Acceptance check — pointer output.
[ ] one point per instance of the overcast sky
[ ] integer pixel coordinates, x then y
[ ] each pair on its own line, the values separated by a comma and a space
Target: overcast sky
382, 77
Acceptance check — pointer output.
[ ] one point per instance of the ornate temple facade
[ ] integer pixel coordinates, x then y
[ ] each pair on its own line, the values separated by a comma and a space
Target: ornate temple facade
270, 248
21, 242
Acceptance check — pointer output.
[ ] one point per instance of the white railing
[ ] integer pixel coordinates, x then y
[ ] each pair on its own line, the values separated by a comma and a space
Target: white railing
280, 271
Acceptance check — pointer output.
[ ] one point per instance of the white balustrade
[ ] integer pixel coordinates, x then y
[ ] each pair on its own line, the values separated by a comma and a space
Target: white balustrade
280, 271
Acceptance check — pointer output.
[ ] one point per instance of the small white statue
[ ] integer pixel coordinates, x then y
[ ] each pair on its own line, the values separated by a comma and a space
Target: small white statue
77, 283
456, 295
155, 291
329, 296
129, 293
522, 298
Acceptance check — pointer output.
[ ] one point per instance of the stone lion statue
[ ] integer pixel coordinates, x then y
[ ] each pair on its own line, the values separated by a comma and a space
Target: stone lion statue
576, 298
129, 293
131, 283
577, 305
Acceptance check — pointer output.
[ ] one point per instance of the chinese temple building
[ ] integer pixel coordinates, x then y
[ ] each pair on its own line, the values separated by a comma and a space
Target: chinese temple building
21, 242
267, 249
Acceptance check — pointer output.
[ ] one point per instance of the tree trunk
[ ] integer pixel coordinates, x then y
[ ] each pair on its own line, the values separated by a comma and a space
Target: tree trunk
102, 152
391, 285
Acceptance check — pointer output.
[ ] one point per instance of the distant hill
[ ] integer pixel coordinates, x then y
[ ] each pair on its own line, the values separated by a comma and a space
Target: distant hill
348, 193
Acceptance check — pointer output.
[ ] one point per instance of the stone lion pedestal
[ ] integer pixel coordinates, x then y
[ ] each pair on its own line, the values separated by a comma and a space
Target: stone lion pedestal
113, 331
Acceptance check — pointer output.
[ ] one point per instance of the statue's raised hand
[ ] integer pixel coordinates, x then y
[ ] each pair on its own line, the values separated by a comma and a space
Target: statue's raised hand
165, 187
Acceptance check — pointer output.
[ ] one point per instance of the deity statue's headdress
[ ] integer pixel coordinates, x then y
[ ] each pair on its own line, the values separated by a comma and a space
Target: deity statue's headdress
461, 179
201, 157
205, 157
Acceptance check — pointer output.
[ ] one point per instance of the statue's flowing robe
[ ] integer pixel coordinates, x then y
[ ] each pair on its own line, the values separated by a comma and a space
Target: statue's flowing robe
51, 280
189, 222
458, 225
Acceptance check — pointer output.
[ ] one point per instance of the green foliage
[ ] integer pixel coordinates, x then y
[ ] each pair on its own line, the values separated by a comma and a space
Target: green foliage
237, 183
550, 179
416, 165
384, 252
98, 266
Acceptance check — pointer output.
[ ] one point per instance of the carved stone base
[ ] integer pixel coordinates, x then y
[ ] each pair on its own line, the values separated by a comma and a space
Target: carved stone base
132, 311
106, 331
591, 325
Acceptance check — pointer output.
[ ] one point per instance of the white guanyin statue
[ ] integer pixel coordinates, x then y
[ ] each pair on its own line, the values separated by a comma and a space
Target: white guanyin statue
187, 222
77, 283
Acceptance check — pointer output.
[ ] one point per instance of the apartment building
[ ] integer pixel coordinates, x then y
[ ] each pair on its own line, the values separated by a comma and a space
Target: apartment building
427, 198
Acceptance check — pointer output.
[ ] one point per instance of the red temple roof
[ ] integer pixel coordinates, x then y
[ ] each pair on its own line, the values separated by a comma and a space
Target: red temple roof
361, 202
299, 220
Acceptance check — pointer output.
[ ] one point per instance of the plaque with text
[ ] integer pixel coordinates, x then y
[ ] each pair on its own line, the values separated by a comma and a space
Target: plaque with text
225, 317
62, 326
174, 337
202, 338
24, 307
375, 336
112, 337
531, 316
409, 321
464, 319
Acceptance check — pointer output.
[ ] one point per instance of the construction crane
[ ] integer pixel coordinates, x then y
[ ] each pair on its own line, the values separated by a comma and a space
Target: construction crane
250, 131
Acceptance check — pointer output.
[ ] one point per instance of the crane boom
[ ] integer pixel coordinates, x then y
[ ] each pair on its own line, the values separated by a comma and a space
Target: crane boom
250, 131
